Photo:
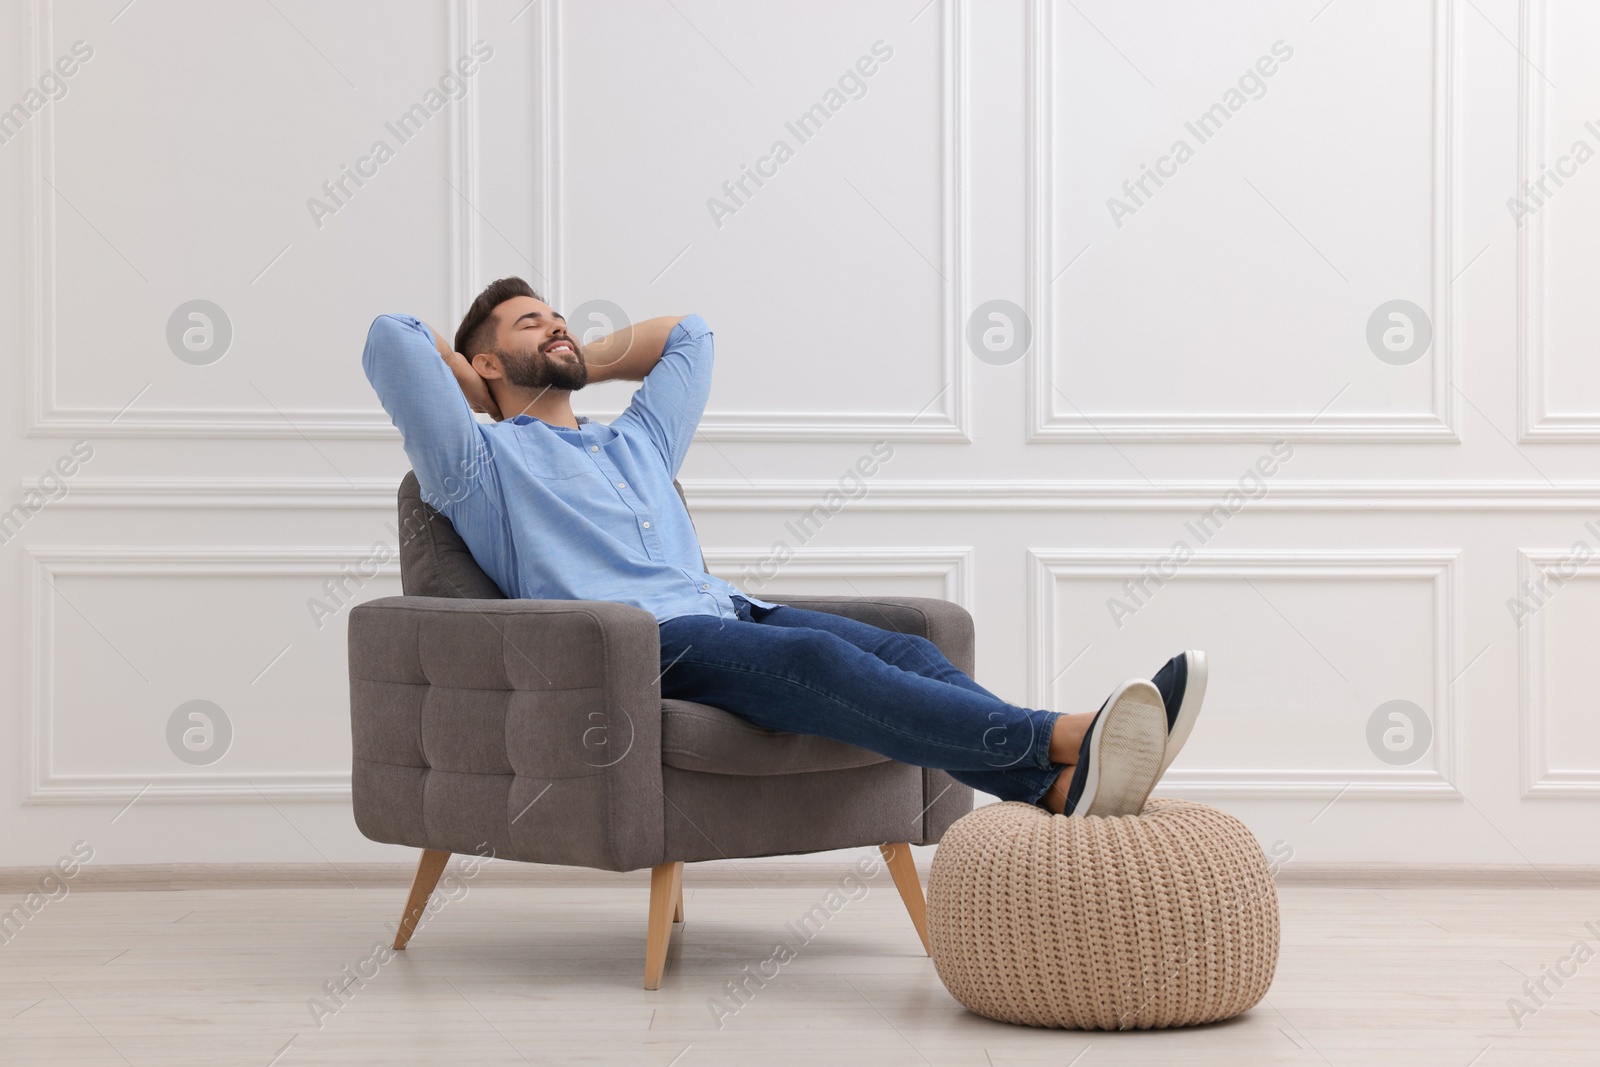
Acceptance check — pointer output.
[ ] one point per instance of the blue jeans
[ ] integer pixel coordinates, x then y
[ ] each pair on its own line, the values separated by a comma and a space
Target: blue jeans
809, 672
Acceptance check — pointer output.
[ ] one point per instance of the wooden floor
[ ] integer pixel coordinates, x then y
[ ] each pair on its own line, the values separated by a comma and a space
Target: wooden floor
553, 974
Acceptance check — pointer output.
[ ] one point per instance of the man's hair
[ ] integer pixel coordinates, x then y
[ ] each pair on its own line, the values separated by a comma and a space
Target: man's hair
477, 330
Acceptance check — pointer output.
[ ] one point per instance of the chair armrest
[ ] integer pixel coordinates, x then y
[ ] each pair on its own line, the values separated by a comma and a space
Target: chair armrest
949, 626
531, 726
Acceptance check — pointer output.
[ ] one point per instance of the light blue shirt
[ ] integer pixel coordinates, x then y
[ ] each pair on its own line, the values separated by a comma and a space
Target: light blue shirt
551, 512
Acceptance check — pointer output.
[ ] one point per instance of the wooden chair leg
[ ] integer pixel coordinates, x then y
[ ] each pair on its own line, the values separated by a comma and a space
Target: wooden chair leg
677, 912
666, 889
428, 872
904, 870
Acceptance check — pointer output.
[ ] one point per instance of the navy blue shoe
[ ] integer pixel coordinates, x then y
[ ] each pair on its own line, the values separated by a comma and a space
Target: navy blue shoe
1120, 759
1182, 684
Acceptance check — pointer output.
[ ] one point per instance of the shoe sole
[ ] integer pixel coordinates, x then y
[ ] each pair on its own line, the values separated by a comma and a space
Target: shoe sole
1126, 753
1194, 694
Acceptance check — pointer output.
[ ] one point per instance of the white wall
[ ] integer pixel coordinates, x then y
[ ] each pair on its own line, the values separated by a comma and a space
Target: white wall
1226, 313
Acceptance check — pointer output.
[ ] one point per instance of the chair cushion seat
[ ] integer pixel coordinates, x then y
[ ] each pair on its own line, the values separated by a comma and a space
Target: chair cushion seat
698, 737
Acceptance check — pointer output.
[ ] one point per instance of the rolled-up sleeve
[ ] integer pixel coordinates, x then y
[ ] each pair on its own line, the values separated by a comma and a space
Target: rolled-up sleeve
417, 389
673, 396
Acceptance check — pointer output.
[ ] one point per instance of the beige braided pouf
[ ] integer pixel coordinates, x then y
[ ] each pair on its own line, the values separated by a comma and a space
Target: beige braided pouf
1166, 918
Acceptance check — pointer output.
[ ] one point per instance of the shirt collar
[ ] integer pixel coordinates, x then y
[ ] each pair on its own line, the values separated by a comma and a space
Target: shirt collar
584, 423
524, 419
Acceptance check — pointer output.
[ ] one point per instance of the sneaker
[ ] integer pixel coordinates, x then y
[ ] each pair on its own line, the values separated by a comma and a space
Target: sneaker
1182, 684
1119, 761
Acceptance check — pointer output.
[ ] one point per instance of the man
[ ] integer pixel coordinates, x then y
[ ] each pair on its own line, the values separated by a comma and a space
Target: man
554, 505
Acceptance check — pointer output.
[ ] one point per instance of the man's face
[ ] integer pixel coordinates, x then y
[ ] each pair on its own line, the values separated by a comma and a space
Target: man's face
534, 347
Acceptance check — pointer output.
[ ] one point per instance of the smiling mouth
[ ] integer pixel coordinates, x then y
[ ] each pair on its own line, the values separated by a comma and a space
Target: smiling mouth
561, 346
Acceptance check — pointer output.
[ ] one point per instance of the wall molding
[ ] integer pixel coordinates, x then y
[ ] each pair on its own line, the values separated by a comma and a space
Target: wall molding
43, 564
1046, 424
951, 419
1047, 567
953, 566
465, 229
949, 494
45, 417
1538, 779
1535, 422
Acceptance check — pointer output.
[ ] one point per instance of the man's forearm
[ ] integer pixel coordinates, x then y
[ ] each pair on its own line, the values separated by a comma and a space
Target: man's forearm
630, 353
473, 386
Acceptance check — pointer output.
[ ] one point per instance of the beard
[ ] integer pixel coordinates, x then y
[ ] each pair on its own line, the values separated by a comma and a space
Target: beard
537, 370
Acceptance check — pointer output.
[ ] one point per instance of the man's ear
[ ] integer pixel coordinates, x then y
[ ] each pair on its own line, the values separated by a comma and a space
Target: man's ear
487, 365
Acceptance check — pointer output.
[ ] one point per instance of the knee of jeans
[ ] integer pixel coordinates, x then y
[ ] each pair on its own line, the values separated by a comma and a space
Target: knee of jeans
817, 644
921, 646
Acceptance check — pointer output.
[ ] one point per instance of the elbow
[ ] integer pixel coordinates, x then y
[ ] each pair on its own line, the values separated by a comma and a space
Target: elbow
386, 333
383, 339
385, 327
374, 345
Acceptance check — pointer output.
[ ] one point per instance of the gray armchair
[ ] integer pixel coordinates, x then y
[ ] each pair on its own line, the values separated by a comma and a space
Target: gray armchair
536, 729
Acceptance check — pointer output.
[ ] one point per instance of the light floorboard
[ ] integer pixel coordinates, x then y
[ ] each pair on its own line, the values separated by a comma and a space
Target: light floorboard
553, 974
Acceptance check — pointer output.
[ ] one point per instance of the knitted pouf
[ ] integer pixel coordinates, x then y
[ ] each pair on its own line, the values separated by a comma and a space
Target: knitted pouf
1166, 918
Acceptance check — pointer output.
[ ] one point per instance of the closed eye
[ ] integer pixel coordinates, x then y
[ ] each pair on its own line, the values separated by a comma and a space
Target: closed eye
532, 318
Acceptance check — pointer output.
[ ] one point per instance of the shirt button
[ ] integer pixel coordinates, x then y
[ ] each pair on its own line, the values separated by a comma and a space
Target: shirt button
704, 586
622, 485
647, 524
594, 448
